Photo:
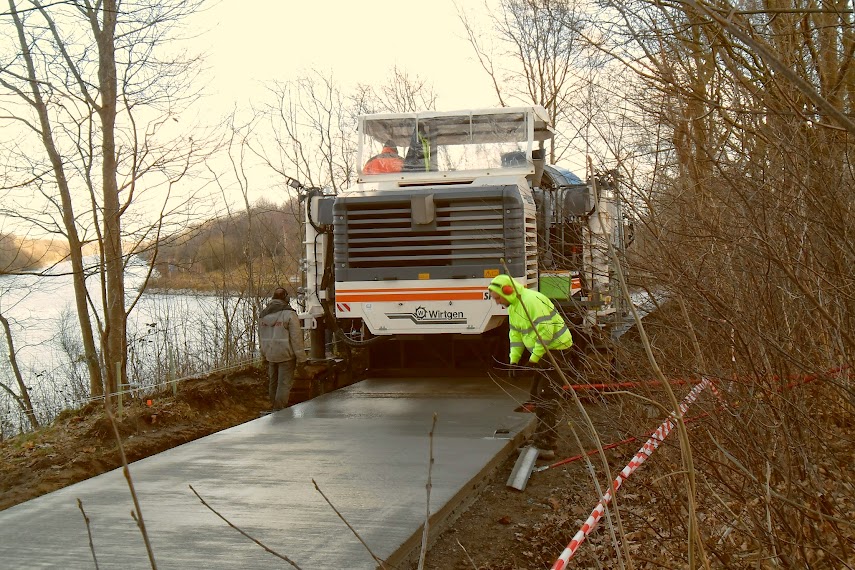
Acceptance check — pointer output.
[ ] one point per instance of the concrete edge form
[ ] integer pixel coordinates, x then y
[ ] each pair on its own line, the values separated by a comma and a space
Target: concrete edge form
521, 472
408, 553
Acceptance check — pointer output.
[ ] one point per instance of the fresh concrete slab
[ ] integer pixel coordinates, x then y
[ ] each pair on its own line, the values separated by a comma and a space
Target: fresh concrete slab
366, 446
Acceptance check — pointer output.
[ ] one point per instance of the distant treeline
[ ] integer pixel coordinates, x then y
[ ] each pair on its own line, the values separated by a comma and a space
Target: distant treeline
261, 246
22, 254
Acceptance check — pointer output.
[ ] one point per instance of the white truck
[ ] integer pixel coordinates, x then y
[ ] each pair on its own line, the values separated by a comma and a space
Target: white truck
406, 254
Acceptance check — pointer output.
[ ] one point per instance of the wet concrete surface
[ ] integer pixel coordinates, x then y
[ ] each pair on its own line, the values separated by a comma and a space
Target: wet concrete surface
366, 446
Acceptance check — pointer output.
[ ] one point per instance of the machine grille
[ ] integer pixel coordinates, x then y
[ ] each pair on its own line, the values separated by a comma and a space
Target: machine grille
531, 249
463, 235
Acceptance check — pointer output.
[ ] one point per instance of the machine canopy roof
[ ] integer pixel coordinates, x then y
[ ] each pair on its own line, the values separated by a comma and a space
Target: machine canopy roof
508, 124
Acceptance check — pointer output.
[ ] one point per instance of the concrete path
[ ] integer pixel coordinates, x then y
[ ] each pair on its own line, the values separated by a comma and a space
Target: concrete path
366, 446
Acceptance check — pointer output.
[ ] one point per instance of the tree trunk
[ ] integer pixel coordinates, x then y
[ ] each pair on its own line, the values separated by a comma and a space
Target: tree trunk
114, 339
24, 399
75, 247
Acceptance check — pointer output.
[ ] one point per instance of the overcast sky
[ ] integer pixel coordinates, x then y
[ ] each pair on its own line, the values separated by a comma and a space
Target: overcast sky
247, 44
250, 42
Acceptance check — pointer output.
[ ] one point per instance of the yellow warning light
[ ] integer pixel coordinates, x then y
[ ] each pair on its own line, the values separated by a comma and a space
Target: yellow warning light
490, 273
424, 275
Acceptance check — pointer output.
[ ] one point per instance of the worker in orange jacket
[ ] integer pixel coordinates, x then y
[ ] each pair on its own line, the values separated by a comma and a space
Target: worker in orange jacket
387, 161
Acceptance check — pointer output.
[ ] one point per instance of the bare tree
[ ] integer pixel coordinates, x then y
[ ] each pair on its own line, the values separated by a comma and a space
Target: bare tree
313, 123
540, 55
743, 191
14, 257
401, 92
312, 132
22, 397
93, 85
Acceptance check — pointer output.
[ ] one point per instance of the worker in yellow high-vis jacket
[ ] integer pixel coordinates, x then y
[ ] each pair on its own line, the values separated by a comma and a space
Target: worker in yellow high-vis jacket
536, 326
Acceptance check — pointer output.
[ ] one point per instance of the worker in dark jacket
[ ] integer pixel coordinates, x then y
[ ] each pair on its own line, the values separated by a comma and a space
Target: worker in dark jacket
535, 325
387, 161
281, 342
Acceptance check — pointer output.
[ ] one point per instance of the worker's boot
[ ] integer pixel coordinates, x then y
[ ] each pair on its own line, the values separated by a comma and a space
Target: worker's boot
545, 447
543, 451
546, 454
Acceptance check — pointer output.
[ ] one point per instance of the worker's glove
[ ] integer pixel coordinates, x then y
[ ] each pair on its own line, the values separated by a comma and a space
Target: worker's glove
513, 371
541, 364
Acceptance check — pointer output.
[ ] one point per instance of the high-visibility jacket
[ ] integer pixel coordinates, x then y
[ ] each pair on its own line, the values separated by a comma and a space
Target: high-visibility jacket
534, 322
387, 161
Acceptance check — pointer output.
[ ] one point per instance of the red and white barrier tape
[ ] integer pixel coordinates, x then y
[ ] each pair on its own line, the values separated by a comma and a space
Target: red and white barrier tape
717, 394
646, 450
795, 381
610, 446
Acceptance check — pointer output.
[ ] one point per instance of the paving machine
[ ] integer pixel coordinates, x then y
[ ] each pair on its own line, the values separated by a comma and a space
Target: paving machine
397, 266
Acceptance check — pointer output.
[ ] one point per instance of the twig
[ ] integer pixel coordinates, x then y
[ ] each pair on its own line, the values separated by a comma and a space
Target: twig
694, 530
767, 54
740, 467
774, 543
138, 516
89, 532
428, 487
256, 541
475, 566
353, 530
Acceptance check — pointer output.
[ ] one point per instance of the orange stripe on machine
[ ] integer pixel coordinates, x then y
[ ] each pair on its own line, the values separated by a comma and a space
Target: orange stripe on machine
364, 297
410, 289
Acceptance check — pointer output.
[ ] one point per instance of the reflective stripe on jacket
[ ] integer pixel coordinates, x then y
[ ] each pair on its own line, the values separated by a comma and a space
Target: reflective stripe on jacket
546, 328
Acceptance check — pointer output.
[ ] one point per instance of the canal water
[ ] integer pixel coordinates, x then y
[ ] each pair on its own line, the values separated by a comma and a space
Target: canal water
169, 335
